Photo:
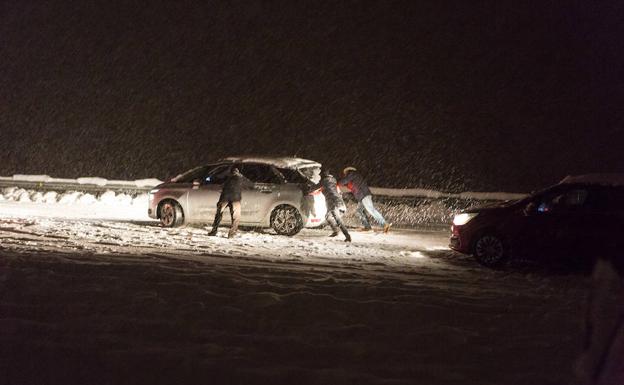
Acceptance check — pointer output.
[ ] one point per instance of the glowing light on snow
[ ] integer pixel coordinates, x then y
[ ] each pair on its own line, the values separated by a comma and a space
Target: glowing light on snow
413, 254
437, 248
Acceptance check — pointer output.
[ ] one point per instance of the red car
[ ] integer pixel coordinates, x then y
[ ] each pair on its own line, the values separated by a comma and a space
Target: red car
572, 221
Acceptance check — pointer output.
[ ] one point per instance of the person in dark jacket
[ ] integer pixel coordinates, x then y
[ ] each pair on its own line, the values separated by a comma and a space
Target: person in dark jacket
335, 204
355, 182
231, 197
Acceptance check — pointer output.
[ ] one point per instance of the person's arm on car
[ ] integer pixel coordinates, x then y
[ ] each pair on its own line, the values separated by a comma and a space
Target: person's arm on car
246, 183
346, 179
316, 186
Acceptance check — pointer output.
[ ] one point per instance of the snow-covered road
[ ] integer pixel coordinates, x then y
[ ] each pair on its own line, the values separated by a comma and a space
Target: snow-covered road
89, 300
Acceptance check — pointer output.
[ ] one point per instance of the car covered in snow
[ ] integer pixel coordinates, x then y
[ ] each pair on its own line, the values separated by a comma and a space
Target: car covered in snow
280, 197
569, 222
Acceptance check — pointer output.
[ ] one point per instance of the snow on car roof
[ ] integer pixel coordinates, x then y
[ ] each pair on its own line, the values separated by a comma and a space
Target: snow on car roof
282, 162
601, 179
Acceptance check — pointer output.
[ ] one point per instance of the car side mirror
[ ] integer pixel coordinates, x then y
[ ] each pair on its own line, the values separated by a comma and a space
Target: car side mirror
530, 209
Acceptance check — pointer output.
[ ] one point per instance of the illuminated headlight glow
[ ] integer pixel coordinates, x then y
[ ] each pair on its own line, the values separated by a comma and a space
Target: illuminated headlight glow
320, 207
463, 218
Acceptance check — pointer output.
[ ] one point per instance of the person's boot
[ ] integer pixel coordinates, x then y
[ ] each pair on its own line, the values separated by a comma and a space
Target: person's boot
387, 227
333, 234
212, 233
346, 233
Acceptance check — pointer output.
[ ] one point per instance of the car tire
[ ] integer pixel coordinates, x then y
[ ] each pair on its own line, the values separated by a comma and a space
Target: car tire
490, 250
286, 220
170, 214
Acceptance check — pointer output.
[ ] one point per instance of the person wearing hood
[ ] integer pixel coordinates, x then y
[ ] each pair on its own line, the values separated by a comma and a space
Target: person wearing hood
335, 205
354, 181
231, 197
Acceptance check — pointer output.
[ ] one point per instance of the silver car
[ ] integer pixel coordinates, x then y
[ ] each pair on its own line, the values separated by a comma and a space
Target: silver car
279, 198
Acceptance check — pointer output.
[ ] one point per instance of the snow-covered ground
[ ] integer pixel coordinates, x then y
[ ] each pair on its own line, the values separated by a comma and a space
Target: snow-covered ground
94, 293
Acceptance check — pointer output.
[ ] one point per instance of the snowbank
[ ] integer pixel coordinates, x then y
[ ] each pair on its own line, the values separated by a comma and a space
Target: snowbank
111, 204
428, 207
73, 204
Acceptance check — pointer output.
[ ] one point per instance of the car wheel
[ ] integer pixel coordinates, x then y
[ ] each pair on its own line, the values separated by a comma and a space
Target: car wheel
171, 214
490, 250
286, 220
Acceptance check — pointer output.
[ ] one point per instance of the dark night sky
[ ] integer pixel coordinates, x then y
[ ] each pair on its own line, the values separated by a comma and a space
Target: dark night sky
450, 95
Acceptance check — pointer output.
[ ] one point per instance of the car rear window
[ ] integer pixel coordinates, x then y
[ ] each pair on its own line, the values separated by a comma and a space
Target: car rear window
292, 176
311, 173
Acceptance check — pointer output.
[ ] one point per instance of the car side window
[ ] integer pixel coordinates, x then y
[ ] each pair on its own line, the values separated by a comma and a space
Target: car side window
259, 173
216, 175
607, 200
563, 200
575, 198
194, 174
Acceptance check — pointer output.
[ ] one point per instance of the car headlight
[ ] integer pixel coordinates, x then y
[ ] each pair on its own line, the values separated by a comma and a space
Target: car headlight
463, 218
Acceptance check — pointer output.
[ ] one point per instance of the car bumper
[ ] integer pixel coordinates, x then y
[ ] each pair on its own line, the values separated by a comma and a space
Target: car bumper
460, 240
152, 207
455, 243
317, 211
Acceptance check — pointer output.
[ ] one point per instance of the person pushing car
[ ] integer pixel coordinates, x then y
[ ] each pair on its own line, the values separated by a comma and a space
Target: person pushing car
334, 202
354, 181
231, 197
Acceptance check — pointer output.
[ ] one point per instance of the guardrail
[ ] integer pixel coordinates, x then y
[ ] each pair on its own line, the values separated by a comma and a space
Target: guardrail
90, 185
403, 207
45, 182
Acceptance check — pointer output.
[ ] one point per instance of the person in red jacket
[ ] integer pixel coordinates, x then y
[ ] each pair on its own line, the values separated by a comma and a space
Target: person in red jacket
354, 181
